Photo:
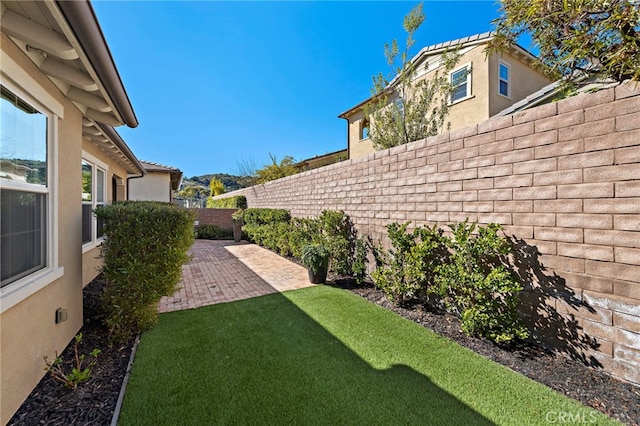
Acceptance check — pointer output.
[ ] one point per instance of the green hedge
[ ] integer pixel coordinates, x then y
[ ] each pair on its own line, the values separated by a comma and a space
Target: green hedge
213, 232
237, 202
145, 247
266, 216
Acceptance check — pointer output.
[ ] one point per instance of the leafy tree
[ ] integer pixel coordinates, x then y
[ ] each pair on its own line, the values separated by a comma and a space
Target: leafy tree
216, 187
404, 109
276, 170
191, 193
576, 38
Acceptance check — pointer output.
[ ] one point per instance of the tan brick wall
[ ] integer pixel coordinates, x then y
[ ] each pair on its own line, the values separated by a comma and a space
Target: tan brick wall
220, 217
564, 181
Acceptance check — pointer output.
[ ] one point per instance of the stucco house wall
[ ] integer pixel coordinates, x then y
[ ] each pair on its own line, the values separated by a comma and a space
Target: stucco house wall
60, 83
484, 102
24, 343
154, 186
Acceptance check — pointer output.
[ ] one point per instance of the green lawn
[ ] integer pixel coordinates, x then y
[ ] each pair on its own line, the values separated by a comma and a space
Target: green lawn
321, 355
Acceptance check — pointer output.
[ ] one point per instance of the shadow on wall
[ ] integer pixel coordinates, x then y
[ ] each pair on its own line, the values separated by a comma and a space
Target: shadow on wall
543, 295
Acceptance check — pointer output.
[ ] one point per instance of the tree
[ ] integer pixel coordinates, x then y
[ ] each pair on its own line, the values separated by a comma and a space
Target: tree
216, 187
276, 170
191, 193
575, 38
404, 108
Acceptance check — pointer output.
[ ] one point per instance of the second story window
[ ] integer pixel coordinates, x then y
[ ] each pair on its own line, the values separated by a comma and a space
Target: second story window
461, 83
504, 79
364, 129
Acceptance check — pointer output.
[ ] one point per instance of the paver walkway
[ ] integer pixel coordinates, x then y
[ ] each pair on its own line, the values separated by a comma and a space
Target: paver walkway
224, 271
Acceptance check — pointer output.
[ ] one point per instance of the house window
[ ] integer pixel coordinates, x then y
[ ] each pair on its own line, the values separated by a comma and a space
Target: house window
461, 83
24, 192
93, 195
364, 129
504, 79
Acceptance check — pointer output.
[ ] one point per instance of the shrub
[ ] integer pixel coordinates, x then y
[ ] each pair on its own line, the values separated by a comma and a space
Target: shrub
264, 216
407, 271
478, 287
340, 236
145, 247
236, 202
213, 232
80, 371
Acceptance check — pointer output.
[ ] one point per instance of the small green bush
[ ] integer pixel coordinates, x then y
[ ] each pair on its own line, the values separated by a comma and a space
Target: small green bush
477, 285
262, 216
213, 232
408, 267
236, 202
145, 247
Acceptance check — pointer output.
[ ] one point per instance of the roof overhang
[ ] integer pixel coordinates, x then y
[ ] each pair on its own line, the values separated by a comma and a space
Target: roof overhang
517, 51
65, 41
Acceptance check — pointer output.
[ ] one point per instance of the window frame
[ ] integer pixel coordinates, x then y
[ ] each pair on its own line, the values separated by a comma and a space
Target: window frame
30, 91
508, 80
96, 165
364, 124
469, 95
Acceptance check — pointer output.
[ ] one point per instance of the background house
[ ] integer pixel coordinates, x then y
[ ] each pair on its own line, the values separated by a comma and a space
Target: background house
157, 184
489, 85
60, 157
321, 160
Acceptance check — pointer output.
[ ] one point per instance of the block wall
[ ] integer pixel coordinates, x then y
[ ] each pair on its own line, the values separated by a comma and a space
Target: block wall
564, 181
219, 217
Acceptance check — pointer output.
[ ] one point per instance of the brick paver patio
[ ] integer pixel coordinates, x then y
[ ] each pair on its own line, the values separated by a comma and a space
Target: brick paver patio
224, 271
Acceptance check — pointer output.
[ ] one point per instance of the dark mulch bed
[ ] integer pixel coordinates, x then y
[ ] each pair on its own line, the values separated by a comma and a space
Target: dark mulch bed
591, 387
94, 402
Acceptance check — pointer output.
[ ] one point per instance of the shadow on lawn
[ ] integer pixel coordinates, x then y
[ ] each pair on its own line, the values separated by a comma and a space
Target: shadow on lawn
266, 361
549, 306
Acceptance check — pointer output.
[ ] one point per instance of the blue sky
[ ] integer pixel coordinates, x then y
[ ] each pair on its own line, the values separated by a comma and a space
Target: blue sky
215, 84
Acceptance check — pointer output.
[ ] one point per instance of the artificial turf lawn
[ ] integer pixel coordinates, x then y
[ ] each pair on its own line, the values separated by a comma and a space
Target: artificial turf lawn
322, 355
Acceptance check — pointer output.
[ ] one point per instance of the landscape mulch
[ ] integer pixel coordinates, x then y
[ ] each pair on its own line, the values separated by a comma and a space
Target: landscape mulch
94, 402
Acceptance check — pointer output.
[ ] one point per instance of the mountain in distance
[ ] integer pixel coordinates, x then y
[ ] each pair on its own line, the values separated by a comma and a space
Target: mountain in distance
231, 182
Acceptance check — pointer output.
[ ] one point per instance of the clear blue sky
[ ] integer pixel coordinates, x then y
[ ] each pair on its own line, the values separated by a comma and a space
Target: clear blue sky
218, 83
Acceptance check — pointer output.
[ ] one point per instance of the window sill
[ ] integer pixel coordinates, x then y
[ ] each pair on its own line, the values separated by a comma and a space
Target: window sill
466, 98
16, 292
504, 96
91, 245
363, 140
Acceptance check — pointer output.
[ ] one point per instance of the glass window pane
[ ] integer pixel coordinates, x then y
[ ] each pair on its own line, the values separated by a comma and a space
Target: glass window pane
22, 234
23, 141
459, 77
86, 181
504, 88
459, 92
99, 186
87, 218
504, 72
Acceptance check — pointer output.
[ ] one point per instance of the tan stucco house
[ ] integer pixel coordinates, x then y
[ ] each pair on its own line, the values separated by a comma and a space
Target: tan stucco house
488, 85
60, 157
321, 160
158, 184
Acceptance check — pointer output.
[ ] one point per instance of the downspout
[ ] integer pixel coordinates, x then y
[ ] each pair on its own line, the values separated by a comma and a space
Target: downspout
129, 178
348, 138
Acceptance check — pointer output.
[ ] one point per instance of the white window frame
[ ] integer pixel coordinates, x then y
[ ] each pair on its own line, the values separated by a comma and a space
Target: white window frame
508, 80
13, 77
96, 165
469, 94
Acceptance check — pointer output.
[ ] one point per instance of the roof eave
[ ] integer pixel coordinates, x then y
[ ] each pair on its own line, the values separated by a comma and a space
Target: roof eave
83, 22
111, 133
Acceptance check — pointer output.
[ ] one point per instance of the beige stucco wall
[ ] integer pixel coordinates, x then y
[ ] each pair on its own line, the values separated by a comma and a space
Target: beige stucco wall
28, 330
154, 186
524, 81
483, 103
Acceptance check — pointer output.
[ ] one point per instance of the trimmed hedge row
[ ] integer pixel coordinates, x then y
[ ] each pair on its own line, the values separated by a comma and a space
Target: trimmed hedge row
237, 202
213, 232
145, 247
